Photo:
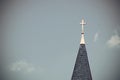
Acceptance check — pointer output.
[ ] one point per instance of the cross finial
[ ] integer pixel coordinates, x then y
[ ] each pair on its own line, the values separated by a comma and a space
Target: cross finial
82, 36
82, 23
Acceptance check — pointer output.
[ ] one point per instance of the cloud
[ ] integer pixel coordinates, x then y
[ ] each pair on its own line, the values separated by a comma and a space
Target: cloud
22, 66
114, 41
95, 37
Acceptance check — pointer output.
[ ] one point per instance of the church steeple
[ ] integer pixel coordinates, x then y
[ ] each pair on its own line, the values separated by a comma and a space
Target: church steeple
82, 69
82, 33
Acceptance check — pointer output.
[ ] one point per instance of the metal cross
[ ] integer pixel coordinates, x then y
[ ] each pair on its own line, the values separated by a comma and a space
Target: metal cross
83, 23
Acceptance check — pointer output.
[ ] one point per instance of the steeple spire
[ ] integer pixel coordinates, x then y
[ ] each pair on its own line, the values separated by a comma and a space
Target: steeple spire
82, 33
82, 69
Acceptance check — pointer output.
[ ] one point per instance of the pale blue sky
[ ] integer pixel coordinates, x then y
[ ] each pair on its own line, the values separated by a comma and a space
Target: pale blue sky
42, 38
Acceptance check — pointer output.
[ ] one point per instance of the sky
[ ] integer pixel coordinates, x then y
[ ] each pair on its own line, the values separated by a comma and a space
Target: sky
41, 38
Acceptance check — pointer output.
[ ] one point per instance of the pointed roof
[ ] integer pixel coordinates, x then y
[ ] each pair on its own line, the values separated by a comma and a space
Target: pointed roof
82, 69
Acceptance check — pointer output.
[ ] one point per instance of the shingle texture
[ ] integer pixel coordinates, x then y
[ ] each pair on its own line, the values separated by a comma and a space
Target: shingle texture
81, 68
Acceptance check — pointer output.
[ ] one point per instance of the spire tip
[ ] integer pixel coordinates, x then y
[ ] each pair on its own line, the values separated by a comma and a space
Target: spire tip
82, 34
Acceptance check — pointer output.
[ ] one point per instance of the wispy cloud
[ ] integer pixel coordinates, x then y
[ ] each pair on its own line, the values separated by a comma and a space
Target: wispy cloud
114, 40
95, 37
22, 66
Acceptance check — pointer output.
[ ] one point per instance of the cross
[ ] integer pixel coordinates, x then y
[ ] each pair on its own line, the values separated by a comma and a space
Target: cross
82, 23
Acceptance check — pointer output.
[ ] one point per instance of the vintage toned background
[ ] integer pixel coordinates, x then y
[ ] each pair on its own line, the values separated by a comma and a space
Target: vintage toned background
39, 39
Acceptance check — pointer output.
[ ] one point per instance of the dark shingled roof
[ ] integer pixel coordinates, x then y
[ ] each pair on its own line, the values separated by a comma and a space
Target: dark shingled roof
81, 68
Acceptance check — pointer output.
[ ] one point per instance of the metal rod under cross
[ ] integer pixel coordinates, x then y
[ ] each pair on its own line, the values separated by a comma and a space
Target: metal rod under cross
82, 36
